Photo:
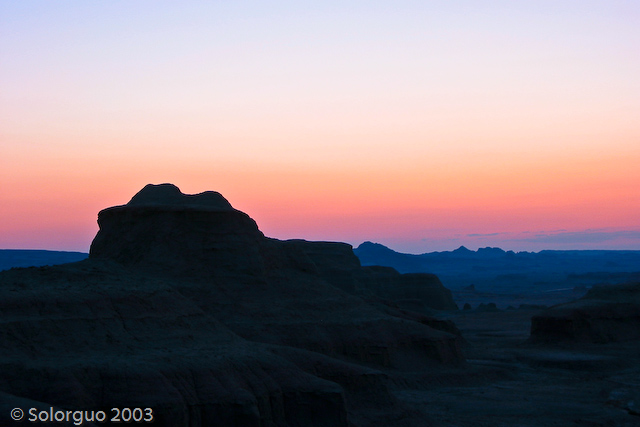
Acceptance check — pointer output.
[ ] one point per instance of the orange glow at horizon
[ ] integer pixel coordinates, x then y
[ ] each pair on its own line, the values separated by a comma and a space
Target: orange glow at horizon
406, 123
358, 204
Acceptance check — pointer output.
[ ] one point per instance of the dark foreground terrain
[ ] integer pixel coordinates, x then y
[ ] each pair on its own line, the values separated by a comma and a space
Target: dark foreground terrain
186, 308
571, 378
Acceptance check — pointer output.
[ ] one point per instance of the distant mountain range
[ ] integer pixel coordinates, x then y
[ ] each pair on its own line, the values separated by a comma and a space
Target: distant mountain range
505, 271
491, 269
10, 258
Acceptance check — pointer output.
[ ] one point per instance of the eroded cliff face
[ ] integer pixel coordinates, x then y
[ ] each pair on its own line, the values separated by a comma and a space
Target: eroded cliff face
605, 314
184, 306
165, 231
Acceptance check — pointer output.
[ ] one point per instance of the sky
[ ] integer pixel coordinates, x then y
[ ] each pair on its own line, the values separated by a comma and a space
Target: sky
421, 125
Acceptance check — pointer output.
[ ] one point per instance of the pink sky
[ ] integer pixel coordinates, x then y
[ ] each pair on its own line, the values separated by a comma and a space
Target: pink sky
421, 127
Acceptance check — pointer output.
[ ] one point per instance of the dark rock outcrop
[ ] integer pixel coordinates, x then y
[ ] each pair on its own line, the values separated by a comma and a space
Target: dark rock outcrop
413, 291
161, 229
184, 306
605, 314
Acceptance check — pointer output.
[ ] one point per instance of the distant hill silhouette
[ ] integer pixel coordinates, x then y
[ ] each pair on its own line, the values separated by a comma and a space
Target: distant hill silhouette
507, 271
184, 306
10, 258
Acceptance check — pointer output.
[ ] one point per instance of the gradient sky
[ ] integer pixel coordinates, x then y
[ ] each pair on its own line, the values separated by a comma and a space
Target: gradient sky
420, 125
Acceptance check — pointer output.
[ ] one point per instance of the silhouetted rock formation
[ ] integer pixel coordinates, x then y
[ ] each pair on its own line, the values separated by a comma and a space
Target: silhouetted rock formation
163, 230
487, 307
605, 314
184, 306
413, 291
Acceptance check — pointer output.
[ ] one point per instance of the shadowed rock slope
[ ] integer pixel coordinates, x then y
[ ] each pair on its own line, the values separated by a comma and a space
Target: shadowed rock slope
185, 307
605, 314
